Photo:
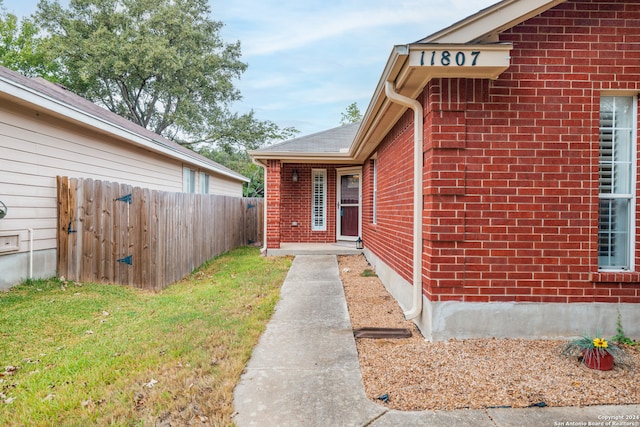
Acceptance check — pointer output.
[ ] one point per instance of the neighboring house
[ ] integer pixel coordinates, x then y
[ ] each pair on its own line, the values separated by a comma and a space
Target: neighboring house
46, 131
523, 222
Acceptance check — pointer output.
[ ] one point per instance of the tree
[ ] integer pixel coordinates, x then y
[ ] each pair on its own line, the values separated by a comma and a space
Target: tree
351, 114
245, 132
21, 49
162, 65
231, 142
159, 63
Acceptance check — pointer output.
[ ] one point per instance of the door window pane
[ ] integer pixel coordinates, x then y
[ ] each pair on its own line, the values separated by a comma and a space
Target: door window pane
349, 204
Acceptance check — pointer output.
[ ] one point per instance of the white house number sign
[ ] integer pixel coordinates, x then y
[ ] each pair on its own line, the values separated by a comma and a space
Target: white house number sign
447, 58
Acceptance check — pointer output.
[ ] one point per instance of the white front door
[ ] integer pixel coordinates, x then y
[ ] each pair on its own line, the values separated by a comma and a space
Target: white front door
349, 195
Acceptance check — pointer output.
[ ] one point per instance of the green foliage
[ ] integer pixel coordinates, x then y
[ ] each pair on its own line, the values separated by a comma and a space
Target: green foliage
97, 354
620, 337
162, 65
244, 132
367, 272
22, 50
585, 344
351, 114
159, 63
240, 162
230, 143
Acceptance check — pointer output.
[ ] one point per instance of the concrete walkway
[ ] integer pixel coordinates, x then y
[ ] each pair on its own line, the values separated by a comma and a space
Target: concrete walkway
305, 370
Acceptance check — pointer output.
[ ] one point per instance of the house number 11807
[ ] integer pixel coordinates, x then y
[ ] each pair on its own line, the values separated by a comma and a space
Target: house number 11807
446, 58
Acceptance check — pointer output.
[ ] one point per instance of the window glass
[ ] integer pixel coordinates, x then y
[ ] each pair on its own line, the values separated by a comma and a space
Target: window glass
189, 180
617, 182
204, 183
613, 239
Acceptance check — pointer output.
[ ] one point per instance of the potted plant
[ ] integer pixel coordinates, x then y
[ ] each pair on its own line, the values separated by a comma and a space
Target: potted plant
596, 352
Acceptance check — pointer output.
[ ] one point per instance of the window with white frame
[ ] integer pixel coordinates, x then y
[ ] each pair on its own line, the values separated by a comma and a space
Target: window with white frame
204, 183
616, 225
319, 200
188, 180
374, 204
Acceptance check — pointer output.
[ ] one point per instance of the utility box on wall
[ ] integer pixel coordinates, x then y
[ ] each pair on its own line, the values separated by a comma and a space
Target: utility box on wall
9, 243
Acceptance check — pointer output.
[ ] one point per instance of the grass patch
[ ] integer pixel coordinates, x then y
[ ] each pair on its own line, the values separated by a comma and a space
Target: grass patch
89, 354
367, 272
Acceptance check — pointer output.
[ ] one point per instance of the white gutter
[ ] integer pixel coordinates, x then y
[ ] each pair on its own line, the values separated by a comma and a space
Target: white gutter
418, 138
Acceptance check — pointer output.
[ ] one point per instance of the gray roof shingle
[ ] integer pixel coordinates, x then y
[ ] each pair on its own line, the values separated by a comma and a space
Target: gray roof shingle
334, 140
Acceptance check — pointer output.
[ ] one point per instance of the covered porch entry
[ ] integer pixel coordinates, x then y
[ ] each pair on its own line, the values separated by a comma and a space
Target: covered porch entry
313, 204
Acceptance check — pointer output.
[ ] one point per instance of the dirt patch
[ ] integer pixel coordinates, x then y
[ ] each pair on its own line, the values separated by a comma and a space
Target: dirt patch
477, 373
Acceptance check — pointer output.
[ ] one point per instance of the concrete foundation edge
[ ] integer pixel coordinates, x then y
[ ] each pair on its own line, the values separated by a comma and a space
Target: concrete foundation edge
454, 319
15, 267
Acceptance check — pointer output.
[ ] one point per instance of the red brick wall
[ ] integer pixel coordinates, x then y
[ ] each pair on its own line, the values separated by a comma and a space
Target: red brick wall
391, 238
511, 167
295, 204
274, 169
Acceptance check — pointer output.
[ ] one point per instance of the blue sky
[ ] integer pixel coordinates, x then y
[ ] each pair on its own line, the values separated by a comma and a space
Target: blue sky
308, 60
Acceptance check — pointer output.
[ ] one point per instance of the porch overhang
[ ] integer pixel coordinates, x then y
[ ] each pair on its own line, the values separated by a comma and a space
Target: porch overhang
411, 67
303, 157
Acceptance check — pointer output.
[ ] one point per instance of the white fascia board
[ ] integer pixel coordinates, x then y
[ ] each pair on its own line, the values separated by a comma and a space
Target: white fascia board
48, 103
471, 30
460, 60
490, 21
397, 58
301, 157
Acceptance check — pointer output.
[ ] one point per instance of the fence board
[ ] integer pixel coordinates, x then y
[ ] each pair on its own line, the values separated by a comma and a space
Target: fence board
107, 241
167, 235
63, 219
75, 240
88, 245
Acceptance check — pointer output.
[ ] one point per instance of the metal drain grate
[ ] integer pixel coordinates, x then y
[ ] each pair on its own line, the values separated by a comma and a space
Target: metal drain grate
382, 333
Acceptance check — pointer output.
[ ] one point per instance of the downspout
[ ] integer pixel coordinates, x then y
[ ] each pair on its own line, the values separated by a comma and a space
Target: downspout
263, 250
418, 123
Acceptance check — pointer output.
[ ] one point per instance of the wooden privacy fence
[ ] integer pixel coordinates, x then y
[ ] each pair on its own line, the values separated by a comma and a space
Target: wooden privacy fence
116, 233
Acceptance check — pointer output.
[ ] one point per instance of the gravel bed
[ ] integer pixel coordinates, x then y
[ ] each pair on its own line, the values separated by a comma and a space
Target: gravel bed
476, 373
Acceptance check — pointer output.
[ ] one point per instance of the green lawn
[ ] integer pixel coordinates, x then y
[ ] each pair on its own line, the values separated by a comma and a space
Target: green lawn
86, 354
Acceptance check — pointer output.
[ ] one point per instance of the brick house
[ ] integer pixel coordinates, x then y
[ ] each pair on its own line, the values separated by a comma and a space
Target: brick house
523, 224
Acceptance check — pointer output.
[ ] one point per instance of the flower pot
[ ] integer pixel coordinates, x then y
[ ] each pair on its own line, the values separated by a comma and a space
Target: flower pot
601, 360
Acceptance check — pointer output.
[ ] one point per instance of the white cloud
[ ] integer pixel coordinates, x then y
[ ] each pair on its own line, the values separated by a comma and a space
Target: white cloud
308, 60
271, 27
